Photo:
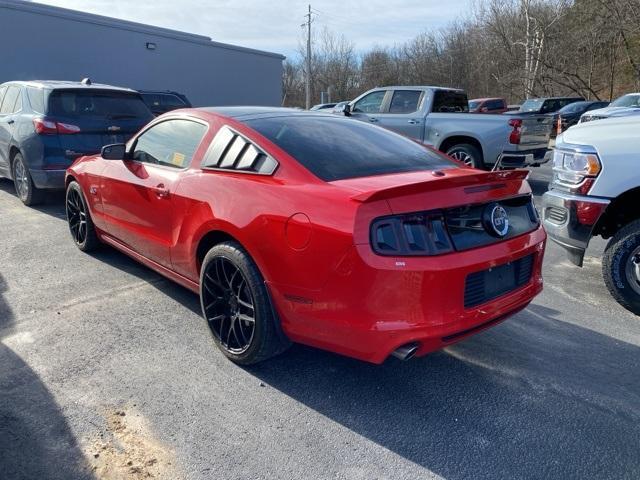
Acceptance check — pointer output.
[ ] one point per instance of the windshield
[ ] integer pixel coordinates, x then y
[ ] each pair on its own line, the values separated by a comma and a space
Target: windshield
473, 104
339, 148
95, 103
532, 105
626, 101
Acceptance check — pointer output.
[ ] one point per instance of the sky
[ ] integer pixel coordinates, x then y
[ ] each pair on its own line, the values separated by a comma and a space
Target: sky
275, 25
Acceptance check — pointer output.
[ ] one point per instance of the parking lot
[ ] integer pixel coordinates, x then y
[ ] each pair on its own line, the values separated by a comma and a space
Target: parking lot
108, 370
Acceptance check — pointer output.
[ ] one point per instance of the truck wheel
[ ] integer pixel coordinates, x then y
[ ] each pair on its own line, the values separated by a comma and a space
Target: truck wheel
467, 154
621, 267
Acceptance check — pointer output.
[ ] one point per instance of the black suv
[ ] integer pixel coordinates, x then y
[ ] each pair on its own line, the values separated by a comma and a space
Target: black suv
46, 125
547, 105
160, 102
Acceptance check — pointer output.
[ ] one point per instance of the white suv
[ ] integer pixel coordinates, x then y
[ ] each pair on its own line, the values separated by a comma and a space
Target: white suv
596, 191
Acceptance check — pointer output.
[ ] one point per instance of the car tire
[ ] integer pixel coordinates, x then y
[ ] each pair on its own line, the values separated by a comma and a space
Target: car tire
467, 154
79, 219
232, 290
621, 267
27, 192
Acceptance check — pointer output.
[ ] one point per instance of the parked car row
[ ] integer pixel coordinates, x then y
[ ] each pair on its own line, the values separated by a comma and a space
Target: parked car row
394, 250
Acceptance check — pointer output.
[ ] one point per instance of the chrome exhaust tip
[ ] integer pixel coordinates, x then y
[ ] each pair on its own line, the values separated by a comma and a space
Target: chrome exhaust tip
405, 352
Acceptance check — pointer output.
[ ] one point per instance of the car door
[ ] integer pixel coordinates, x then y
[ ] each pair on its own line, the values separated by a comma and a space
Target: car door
137, 192
11, 104
369, 107
404, 113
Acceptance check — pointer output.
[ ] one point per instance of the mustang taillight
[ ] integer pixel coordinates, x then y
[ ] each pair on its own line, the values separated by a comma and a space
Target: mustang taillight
411, 234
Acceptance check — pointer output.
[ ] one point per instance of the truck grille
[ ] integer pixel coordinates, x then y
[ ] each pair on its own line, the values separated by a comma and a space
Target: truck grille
481, 287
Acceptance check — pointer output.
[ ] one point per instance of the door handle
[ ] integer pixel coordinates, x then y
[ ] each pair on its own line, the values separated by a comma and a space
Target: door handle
161, 191
373, 119
11, 122
413, 121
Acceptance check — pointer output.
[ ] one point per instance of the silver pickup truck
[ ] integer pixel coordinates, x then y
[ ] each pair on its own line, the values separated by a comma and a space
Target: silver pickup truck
437, 117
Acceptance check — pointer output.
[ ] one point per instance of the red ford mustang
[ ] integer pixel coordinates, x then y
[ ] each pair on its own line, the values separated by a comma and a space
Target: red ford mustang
313, 228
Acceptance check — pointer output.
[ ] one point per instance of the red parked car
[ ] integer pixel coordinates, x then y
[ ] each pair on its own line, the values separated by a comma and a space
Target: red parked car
488, 105
307, 227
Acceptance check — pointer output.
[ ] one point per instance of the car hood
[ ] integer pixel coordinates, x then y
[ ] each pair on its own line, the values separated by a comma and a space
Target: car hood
613, 112
610, 131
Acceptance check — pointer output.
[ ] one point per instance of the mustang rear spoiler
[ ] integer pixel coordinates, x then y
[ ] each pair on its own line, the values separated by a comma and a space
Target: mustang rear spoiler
473, 182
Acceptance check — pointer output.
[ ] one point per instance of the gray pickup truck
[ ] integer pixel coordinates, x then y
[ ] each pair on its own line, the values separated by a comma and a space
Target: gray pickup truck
439, 117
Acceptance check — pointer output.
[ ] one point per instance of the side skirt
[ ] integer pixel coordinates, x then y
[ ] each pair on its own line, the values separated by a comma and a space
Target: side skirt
162, 270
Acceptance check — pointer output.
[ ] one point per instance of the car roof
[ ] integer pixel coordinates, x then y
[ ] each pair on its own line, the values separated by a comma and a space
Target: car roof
64, 84
555, 98
248, 113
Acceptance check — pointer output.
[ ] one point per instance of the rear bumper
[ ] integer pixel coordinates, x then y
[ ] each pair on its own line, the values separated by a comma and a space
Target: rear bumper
570, 220
525, 158
48, 179
371, 305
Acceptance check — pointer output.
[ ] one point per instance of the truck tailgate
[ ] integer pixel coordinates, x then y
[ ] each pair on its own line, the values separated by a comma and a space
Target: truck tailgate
536, 131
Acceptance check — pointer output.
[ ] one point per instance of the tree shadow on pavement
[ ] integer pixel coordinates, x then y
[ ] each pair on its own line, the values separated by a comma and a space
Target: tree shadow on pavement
35, 439
535, 397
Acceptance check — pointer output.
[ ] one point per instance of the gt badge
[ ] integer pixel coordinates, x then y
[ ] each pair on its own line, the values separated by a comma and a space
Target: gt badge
495, 220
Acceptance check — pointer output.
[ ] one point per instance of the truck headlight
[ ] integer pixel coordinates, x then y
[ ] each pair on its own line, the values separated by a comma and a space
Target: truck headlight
584, 163
573, 168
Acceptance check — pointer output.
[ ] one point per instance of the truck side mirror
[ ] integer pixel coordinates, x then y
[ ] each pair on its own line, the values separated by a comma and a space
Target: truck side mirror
346, 110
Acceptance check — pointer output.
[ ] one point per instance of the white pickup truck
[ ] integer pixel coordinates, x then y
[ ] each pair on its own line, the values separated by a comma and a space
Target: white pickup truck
439, 117
596, 191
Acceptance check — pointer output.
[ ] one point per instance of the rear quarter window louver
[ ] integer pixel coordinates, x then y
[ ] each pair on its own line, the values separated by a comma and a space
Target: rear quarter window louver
230, 150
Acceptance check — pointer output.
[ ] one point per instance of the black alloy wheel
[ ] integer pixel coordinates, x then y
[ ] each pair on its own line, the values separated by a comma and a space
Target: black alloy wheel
79, 219
228, 305
236, 304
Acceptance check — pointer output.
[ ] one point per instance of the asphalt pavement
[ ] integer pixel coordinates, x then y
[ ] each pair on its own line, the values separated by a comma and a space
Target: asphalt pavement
107, 370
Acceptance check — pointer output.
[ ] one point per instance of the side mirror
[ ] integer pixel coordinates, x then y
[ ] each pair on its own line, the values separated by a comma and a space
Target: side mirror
484, 109
117, 151
346, 110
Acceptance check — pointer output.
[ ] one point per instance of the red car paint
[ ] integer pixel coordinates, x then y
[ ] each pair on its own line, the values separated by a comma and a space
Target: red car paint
310, 240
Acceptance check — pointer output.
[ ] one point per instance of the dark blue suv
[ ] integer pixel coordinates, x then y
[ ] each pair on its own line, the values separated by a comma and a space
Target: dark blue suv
46, 125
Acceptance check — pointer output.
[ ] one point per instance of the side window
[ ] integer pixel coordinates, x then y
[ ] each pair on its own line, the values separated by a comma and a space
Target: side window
449, 101
371, 103
36, 99
495, 105
9, 101
405, 101
171, 143
550, 106
231, 151
152, 100
171, 102
3, 90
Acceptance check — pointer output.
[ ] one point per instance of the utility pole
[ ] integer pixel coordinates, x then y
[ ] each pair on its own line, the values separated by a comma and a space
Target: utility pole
307, 82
